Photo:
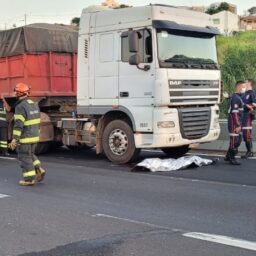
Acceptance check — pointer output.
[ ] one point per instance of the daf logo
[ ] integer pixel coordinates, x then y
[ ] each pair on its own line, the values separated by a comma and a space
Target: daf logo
175, 82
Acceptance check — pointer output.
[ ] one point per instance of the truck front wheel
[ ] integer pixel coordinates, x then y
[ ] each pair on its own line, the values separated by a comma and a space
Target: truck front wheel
176, 152
118, 142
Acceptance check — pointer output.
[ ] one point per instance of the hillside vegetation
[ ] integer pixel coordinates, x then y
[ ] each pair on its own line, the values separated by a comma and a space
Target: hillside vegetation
237, 58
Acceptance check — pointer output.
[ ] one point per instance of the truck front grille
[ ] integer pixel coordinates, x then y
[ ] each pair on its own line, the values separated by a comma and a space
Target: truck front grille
194, 122
189, 92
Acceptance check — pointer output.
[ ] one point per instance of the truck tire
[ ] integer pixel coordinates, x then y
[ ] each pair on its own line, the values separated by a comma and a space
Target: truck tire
118, 142
176, 152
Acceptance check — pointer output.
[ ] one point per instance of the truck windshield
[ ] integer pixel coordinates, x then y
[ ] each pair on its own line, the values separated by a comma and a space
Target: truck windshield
186, 50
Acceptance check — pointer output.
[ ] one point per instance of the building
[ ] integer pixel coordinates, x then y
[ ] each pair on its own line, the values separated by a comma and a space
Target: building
226, 21
111, 4
248, 23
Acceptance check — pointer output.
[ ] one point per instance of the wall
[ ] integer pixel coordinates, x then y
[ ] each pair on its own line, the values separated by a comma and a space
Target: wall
226, 22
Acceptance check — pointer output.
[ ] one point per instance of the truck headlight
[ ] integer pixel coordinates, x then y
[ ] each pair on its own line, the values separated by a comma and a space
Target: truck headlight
165, 124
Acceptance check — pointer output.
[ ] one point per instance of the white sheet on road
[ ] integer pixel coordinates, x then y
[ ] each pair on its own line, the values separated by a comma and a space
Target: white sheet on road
166, 165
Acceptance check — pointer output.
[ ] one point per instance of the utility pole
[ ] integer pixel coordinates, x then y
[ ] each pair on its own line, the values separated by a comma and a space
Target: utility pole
25, 19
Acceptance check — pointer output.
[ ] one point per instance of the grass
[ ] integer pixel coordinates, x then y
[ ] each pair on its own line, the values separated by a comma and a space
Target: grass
240, 40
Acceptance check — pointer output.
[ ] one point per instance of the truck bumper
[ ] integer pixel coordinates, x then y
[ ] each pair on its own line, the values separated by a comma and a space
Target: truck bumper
171, 140
176, 135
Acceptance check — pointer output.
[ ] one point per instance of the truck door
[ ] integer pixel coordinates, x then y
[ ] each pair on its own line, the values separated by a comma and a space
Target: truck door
106, 69
136, 86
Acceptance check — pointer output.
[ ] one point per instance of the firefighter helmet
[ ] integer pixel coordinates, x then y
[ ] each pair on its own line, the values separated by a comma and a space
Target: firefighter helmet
21, 89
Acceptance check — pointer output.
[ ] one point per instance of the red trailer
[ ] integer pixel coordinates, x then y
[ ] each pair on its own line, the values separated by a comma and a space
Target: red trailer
45, 57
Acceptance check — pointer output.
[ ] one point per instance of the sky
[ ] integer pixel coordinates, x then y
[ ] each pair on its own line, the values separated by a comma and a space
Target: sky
62, 11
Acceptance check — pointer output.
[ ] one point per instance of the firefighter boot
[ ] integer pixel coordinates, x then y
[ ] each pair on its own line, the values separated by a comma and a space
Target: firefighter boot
27, 182
227, 157
249, 152
233, 160
40, 174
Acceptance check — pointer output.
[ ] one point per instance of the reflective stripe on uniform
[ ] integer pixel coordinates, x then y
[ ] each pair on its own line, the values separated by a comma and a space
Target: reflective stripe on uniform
19, 117
3, 144
29, 174
233, 134
32, 122
16, 132
235, 111
29, 140
30, 101
247, 128
2, 118
36, 162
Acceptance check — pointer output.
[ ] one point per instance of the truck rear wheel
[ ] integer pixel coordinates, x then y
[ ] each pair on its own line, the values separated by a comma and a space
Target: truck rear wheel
118, 142
176, 152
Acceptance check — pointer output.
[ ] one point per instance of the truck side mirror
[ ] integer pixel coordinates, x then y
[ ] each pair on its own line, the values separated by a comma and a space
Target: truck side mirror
134, 59
133, 37
225, 95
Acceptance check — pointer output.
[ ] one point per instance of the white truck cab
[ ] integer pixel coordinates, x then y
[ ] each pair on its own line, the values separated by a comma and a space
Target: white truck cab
148, 77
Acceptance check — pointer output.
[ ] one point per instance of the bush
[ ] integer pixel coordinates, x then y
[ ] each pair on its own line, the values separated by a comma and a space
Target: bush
237, 56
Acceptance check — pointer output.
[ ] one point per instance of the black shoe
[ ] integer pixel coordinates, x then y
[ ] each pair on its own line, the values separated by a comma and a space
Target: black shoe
234, 162
227, 157
232, 153
247, 155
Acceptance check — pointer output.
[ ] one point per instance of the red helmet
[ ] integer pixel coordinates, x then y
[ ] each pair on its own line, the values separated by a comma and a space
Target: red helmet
21, 89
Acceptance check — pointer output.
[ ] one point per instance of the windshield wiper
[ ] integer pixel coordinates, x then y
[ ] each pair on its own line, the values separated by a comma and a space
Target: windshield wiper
183, 63
177, 63
193, 62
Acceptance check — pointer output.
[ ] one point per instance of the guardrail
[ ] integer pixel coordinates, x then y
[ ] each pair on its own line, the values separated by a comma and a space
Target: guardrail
223, 142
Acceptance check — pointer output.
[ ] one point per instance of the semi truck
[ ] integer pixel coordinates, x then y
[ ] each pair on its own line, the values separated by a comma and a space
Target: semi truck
148, 77
45, 57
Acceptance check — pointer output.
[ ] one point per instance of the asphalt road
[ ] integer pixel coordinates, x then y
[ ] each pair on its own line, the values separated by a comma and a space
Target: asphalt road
88, 206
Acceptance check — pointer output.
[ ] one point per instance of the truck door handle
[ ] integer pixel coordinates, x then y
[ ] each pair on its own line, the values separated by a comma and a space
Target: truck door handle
124, 94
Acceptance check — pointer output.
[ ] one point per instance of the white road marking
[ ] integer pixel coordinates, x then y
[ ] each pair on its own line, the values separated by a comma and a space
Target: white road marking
230, 241
225, 240
128, 220
3, 196
8, 158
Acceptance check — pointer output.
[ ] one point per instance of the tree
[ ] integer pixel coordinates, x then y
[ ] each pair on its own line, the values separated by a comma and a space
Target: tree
122, 6
75, 21
223, 6
211, 10
252, 10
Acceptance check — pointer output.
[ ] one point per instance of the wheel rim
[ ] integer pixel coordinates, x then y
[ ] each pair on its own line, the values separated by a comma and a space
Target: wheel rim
118, 142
